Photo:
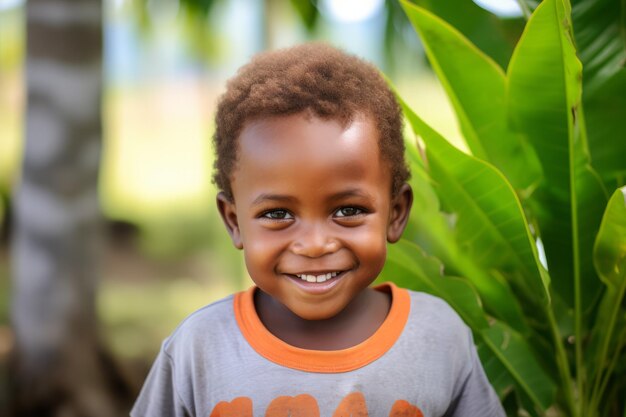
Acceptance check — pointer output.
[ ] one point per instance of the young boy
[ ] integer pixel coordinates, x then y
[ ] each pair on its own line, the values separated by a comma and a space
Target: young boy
310, 164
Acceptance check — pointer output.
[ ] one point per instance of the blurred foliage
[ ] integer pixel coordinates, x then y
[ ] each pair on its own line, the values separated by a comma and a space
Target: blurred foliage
151, 179
11, 57
550, 332
12, 35
204, 41
308, 10
138, 315
201, 39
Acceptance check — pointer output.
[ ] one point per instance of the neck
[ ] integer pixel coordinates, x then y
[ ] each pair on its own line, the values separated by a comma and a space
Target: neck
353, 325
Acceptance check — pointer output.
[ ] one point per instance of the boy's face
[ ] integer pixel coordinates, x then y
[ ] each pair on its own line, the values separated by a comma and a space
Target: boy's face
312, 202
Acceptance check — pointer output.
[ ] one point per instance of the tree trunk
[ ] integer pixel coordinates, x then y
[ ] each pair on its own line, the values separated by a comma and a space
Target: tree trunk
60, 368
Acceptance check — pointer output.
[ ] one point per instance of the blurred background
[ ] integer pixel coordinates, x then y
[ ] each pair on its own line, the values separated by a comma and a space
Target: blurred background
160, 250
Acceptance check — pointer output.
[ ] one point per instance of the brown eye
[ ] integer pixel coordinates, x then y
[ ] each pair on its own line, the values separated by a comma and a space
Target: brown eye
277, 215
348, 212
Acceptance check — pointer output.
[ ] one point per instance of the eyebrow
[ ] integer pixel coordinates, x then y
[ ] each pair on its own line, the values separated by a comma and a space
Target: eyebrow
351, 192
281, 198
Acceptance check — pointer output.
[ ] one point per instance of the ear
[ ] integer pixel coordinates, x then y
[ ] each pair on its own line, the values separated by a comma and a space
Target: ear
399, 214
228, 212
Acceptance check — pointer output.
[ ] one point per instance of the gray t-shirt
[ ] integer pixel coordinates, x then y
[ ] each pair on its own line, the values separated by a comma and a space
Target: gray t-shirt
221, 361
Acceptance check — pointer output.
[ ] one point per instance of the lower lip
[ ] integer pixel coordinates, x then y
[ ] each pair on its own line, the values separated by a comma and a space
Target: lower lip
317, 287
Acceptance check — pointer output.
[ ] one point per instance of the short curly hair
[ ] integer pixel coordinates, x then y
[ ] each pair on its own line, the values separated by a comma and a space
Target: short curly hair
315, 78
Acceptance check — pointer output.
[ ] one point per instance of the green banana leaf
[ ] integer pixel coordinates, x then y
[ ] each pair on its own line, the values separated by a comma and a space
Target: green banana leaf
408, 266
600, 39
496, 37
427, 226
602, 42
610, 246
543, 101
499, 377
600, 32
407, 262
544, 79
507, 344
476, 87
491, 226
438, 149
610, 262
605, 115
431, 230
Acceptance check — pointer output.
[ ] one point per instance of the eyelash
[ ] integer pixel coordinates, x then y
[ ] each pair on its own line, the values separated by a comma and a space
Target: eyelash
359, 211
288, 216
267, 214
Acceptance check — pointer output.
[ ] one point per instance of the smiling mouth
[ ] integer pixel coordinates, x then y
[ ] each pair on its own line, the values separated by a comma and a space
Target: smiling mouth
318, 277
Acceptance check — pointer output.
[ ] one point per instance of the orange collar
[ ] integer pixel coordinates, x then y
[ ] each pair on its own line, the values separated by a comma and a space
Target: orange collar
323, 361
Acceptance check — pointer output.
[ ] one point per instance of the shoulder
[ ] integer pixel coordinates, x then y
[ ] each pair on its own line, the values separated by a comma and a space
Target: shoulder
429, 307
434, 318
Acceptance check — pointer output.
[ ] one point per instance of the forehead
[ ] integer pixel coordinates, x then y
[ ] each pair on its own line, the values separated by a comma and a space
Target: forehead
301, 132
309, 151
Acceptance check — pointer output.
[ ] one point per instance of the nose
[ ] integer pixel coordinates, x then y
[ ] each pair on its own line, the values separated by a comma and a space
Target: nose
314, 241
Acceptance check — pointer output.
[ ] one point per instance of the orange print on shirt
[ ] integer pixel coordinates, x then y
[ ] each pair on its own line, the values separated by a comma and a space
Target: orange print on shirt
352, 405
402, 408
239, 407
304, 405
300, 406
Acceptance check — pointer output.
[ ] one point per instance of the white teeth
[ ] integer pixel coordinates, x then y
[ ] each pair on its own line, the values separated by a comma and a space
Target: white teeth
318, 278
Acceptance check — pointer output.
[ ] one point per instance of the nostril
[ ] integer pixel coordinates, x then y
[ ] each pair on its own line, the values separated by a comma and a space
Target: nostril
313, 249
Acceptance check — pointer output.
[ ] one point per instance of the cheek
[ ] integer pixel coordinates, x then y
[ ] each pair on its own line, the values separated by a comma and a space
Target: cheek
371, 245
261, 247
375, 233
378, 255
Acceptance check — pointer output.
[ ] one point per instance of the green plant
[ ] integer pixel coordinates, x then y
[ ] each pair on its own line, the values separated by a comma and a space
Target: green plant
551, 333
